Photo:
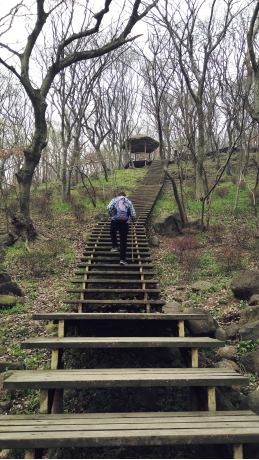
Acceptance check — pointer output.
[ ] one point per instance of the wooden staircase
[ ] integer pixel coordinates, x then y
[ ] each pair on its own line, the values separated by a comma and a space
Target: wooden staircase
109, 292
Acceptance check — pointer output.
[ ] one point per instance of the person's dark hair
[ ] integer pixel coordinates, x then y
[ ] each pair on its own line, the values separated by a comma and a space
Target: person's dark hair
122, 194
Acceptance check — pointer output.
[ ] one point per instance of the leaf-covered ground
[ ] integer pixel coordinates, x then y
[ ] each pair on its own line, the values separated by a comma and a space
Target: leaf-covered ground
215, 255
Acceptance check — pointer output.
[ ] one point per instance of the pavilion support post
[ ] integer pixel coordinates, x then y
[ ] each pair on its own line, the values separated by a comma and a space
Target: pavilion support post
131, 161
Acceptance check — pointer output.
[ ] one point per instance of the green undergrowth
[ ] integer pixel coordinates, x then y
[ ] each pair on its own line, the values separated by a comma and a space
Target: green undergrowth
49, 259
17, 308
221, 207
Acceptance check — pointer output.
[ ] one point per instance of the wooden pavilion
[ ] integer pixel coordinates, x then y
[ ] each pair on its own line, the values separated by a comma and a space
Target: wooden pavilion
141, 146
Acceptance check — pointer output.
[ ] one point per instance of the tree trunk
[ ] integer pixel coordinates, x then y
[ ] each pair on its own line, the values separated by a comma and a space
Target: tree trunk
64, 169
21, 223
177, 199
104, 166
200, 155
69, 182
229, 143
2, 173
32, 157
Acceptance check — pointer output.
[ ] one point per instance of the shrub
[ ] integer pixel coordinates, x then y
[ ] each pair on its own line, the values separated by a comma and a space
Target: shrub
216, 232
2, 257
43, 205
70, 199
241, 234
242, 185
186, 250
43, 261
229, 259
82, 193
182, 245
78, 211
191, 194
12, 208
233, 179
254, 248
47, 193
252, 194
222, 191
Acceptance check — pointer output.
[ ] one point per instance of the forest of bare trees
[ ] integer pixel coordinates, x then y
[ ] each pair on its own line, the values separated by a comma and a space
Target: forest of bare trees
83, 79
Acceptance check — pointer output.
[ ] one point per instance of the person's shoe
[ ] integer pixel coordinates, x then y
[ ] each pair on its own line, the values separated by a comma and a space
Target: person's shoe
114, 249
123, 262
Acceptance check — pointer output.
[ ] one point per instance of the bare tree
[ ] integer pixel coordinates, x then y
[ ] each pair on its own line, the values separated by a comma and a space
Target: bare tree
157, 72
69, 47
195, 41
252, 64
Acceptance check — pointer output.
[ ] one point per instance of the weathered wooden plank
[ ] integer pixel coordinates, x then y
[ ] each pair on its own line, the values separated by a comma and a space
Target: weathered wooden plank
98, 251
112, 290
110, 272
101, 378
210, 416
124, 342
117, 302
129, 266
114, 316
129, 437
119, 281
111, 259
136, 425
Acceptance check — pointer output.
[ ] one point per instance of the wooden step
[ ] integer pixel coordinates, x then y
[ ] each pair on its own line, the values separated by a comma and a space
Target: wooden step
138, 281
121, 342
116, 302
104, 244
141, 239
108, 273
102, 378
128, 429
144, 252
117, 316
111, 259
123, 267
112, 290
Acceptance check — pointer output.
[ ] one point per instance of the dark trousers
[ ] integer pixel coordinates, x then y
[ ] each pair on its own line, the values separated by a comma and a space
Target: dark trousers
123, 228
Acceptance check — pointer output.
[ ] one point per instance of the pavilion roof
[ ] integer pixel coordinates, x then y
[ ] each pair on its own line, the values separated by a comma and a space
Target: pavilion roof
137, 144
